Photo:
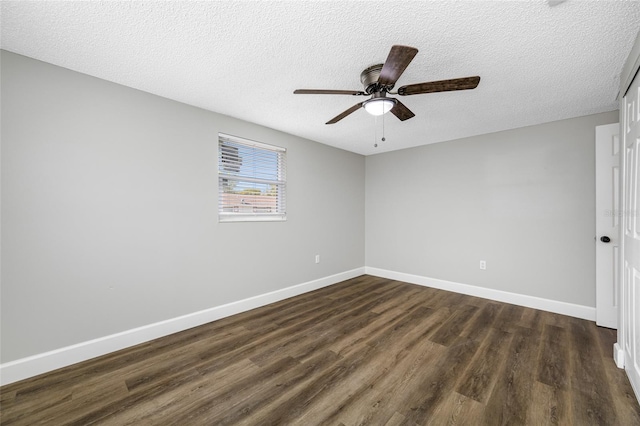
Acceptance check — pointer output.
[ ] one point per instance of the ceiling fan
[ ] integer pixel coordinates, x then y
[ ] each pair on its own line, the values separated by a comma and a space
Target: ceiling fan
378, 81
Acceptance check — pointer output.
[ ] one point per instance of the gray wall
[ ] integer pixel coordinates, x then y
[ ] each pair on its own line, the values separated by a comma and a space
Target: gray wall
109, 211
523, 200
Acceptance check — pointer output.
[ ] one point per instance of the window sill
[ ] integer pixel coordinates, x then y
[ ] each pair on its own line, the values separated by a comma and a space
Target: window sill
251, 218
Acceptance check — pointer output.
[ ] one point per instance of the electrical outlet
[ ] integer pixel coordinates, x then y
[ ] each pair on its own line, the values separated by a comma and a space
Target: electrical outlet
317, 258
483, 264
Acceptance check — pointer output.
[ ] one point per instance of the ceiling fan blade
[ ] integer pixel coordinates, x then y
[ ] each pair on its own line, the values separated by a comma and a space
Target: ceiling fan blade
344, 114
440, 86
401, 111
327, 92
397, 61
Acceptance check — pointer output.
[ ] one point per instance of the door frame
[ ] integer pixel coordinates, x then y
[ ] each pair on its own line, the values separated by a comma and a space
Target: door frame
607, 148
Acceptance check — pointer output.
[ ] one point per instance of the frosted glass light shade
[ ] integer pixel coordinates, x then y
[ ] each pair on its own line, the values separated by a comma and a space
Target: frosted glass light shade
378, 106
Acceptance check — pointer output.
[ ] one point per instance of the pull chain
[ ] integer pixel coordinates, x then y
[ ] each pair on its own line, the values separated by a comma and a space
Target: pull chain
375, 132
383, 139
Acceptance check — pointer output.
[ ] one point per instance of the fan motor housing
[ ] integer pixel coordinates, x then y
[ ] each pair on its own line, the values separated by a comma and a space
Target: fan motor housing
369, 78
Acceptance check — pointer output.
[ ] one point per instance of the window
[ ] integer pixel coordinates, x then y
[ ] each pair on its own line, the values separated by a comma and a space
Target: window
252, 180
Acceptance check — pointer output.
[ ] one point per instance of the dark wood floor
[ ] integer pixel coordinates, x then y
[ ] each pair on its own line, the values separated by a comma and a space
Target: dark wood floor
365, 351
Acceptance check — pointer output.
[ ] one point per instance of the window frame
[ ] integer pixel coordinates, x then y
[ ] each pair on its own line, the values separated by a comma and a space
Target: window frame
280, 213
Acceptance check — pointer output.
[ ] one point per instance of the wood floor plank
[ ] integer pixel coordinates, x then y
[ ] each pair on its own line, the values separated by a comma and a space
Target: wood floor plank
134, 399
286, 382
592, 402
356, 340
510, 317
553, 365
557, 320
403, 294
479, 326
364, 351
360, 286
353, 342
398, 351
163, 408
342, 317
511, 396
23, 413
376, 402
382, 354
478, 380
452, 329
82, 403
395, 420
532, 318
287, 315
367, 396
315, 339
205, 409
549, 406
623, 396
260, 347
457, 409
323, 386
437, 381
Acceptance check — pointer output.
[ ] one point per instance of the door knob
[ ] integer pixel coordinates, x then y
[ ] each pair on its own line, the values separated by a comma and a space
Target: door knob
605, 239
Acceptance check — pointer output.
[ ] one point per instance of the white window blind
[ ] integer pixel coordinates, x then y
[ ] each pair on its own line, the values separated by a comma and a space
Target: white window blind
252, 180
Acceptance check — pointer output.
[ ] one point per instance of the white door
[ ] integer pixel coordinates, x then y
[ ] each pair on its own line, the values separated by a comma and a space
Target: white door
630, 318
607, 225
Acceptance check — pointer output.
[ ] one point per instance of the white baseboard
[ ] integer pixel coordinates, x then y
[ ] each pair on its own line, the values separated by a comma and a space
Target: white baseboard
42, 363
564, 308
618, 355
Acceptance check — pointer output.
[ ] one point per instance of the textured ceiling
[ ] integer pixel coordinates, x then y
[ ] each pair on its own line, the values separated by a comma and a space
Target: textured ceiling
539, 61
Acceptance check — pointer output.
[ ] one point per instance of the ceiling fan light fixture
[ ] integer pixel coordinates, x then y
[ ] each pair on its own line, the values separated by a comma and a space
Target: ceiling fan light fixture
379, 106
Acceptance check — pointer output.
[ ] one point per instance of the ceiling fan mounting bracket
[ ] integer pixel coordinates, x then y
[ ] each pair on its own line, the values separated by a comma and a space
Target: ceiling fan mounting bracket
369, 79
